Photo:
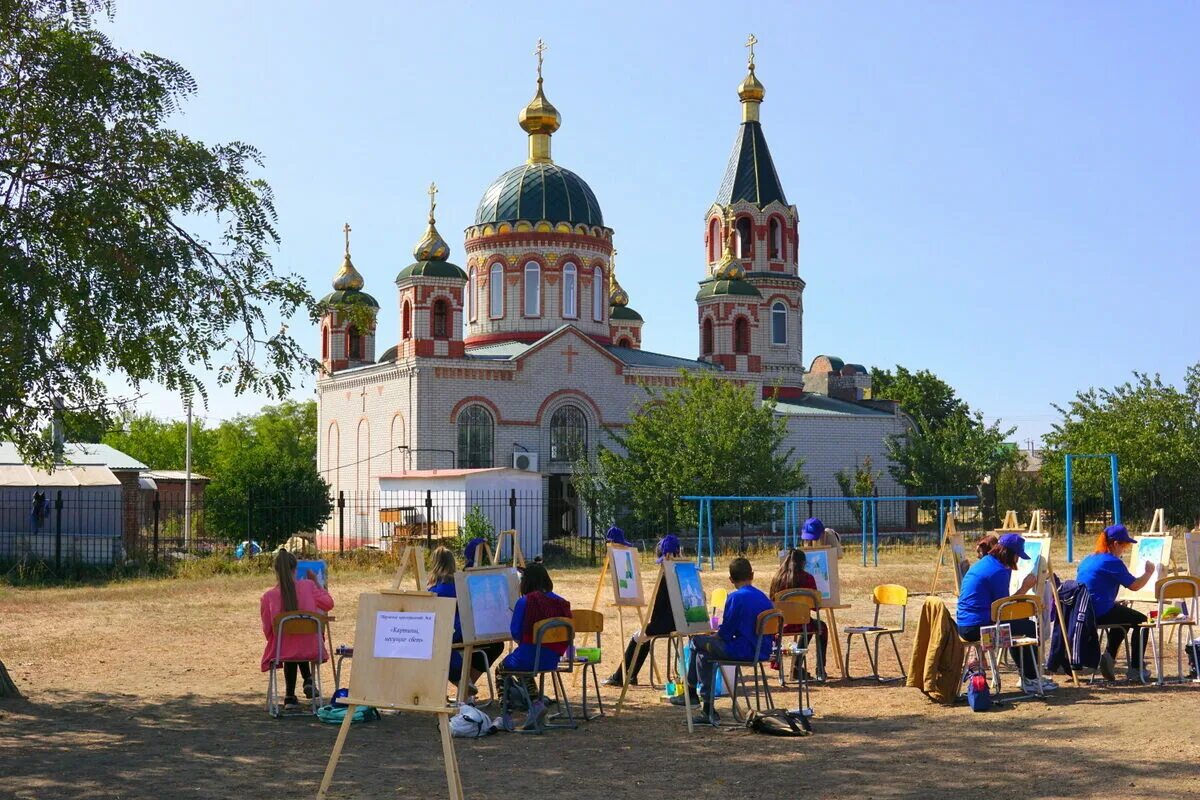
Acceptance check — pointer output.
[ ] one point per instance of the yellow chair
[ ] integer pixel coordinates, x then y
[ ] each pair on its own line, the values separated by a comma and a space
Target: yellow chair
891, 595
588, 621
1186, 590
814, 599
296, 623
553, 630
1011, 609
797, 612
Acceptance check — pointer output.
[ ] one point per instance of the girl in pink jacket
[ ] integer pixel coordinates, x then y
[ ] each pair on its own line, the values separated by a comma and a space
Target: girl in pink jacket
290, 594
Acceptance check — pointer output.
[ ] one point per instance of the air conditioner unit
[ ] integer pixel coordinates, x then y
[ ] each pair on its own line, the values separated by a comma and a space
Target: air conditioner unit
527, 462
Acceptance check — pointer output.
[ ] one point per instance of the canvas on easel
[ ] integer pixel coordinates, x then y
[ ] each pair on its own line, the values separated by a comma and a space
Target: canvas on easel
1157, 550
1038, 563
952, 541
486, 596
822, 564
516, 555
1192, 542
412, 560
624, 565
686, 592
401, 657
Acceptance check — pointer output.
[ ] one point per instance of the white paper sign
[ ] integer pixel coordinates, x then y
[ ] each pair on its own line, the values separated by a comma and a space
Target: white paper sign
400, 634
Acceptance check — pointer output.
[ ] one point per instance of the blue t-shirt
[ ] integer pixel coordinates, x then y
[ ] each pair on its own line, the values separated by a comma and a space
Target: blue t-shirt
1104, 574
985, 582
446, 589
739, 621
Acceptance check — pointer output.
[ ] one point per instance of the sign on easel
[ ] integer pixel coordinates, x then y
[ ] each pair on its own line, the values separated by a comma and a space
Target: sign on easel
952, 540
412, 559
401, 657
516, 556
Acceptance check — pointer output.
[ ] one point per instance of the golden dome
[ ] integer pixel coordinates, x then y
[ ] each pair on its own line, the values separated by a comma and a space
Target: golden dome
540, 116
751, 90
432, 246
616, 295
347, 277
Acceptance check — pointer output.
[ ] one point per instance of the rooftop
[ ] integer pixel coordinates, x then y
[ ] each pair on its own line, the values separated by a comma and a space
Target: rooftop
819, 405
81, 454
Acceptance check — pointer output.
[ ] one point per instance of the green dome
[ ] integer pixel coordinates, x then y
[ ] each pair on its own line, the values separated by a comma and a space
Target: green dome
346, 297
432, 269
713, 288
624, 312
536, 192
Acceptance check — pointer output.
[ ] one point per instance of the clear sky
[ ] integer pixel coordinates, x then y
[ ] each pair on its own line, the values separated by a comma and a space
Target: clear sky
1006, 194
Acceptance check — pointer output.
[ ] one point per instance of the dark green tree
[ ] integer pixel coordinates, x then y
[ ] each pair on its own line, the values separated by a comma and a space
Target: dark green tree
127, 247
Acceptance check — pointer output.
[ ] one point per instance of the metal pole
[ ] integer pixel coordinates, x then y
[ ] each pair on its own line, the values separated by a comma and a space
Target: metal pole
592, 527
1116, 492
863, 520
512, 509
1070, 513
156, 506
875, 527
428, 518
187, 481
341, 506
58, 504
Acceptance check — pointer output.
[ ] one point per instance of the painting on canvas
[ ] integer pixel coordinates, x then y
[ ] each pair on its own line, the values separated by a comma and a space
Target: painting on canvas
822, 564
486, 597
624, 563
1038, 551
1156, 550
686, 593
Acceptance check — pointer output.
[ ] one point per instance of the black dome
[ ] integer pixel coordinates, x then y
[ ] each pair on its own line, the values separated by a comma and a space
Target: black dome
535, 192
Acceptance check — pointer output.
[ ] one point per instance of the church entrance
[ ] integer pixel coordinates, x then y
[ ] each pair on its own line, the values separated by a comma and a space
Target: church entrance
562, 508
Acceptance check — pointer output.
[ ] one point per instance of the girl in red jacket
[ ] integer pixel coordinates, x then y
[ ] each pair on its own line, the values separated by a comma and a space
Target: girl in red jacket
298, 651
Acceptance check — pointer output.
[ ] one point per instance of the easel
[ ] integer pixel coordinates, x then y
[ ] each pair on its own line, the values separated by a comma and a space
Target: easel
1192, 544
621, 604
953, 540
470, 639
1062, 620
1035, 524
403, 682
1010, 524
518, 557
413, 555
1166, 564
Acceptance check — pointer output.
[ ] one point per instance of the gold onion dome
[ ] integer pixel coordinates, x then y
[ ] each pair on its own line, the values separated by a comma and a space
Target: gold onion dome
347, 278
432, 246
540, 116
616, 295
751, 88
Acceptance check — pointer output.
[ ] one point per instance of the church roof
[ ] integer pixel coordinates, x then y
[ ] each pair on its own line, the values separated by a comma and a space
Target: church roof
645, 358
624, 312
539, 191
432, 269
750, 174
819, 405
346, 297
724, 286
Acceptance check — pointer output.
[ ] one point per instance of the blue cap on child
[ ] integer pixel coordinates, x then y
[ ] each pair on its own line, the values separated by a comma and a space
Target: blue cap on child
616, 536
813, 529
1118, 533
469, 552
1014, 542
667, 546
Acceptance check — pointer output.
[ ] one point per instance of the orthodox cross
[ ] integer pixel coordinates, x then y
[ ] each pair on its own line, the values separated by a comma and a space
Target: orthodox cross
570, 353
346, 232
750, 42
363, 395
538, 51
433, 190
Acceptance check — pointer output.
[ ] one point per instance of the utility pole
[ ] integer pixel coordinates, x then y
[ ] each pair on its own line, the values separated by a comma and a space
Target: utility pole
187, 481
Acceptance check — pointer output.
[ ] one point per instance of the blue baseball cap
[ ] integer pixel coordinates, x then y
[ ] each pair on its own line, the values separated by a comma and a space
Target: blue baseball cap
667, 546
813, 529
469, 552
1014, 542
616, 536
1118, 533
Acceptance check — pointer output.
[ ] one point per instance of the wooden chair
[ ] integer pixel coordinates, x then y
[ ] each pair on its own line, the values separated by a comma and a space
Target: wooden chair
814, 598
1010, 609
588, 621
797, 612
768, 626
554, 630
888, 594
1186, 590
296, 623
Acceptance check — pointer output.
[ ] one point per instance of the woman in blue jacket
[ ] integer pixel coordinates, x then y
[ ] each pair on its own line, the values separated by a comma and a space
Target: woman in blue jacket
1104, 573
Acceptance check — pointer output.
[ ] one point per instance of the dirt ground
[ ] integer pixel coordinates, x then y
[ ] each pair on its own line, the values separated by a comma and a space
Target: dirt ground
152, 690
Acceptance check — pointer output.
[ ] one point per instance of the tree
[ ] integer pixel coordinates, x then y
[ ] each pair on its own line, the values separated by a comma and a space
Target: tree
950, 450
861, 482
1153, 427
706, 435
105, 218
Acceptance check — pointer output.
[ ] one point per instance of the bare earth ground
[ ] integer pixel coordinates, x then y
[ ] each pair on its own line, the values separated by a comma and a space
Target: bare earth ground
152, 690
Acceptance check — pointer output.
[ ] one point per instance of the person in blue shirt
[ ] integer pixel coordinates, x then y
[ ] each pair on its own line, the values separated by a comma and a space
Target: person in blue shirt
1104, 573
441, 583
537, 602
987, 581
734, 640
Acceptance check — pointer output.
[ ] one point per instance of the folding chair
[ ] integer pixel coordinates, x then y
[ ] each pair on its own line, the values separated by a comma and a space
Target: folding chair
296, 623
768, 625
487, 673
1104, 631
888, 594
814, 598
1185, 589
555, 630
1010, 609
587, 621
797, 612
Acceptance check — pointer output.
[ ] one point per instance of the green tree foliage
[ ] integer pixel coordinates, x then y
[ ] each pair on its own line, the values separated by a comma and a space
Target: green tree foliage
126, 246
950, 450
859, 482
1153, 427
706, 435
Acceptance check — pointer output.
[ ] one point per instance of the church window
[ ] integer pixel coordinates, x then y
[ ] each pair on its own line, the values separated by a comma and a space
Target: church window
496, 291
714, 240
439, 320
568, 434
744, 247
354, 344
779, 323
707, 344
472, 289
570, 290
406, 322
625, 343
741, 335
533, 289
325, 344
598, 294
475, 438
776, 238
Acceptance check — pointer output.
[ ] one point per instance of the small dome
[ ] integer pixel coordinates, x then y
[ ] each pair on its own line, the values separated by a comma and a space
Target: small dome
347, 277
349, 297
432, 269
540, 116
717, 287
751, 88
432, 246
624, 313
536, 192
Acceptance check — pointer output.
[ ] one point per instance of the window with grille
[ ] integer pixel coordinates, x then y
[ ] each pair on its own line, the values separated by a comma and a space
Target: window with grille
475, 435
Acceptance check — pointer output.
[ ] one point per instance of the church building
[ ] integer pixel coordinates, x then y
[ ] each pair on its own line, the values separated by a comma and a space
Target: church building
522, 356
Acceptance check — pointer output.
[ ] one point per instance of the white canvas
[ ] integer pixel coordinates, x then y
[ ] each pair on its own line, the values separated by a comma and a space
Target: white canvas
1038, 551
1156, 550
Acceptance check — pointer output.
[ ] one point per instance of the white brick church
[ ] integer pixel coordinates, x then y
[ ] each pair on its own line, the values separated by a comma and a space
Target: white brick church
532, 349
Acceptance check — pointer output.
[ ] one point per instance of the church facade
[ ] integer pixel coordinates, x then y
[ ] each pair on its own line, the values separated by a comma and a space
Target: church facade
521, 357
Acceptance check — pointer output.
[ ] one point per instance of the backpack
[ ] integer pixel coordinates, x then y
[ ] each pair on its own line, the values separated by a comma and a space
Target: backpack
470, 723
779, 722
335, 714
979, 695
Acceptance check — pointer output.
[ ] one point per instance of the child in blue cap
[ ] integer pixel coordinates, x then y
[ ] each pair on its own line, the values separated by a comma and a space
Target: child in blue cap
1104, 573
661, 621
815, 534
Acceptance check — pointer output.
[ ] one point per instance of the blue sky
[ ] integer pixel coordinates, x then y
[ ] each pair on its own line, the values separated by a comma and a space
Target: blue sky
1005, 194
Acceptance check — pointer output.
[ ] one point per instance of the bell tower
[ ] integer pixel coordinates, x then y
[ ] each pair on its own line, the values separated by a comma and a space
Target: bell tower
431, 297
347, 340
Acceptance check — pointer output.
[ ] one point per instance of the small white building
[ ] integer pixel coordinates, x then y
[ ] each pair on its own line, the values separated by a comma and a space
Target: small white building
88, 527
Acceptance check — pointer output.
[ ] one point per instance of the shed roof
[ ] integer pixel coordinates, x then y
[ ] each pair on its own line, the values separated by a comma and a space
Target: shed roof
20, 475
81, 454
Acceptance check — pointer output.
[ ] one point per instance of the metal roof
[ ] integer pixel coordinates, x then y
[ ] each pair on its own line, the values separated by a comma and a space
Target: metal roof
537, 192
20, 475
819, 405
750, 174
644, 358
79, 453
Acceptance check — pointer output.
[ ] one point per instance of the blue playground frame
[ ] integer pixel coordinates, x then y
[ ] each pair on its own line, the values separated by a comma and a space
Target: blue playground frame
1070, 516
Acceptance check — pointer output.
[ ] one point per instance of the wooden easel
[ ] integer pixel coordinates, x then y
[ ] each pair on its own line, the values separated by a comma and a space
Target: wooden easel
407, 684
639, 609
518, 557
1010, 524
950, 537
673, 637
413, 555
470, 642
483, 554
1035, 524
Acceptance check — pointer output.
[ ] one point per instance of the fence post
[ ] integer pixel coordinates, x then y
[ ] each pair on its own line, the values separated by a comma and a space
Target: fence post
810, 503
156, 506
341, 505
741, 528
512, 509
428, 518
875, 526
58, 504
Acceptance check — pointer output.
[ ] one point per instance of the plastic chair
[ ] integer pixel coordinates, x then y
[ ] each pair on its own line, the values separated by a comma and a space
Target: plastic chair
588, 621
1010, 609
888, 594
814, 598
1186, 590
768, 625
296, 623
797, 612
554, 630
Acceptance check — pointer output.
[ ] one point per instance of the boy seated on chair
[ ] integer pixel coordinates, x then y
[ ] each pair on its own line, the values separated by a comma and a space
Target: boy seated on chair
734, 640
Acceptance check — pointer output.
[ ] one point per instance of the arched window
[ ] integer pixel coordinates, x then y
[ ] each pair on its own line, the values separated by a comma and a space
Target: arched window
779, 323
354, 344
568, 434
714, 240
533, 289
570, 292
439, 320
472, 291
598, 294
475, 438
741, 335
744, 245
624, 342
406, 322
707, 344
775, 248
324, 344
496, 291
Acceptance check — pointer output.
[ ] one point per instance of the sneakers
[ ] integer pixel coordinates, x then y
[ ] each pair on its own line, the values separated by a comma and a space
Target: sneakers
678, 700
291, 701
537, 717
1108, 667
1142, 675
615, 680
704, 718
1032, 686
308, 688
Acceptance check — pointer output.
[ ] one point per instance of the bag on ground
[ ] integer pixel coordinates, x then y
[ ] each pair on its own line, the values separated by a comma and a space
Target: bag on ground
979, 694
336, 714
779, 722
470, 723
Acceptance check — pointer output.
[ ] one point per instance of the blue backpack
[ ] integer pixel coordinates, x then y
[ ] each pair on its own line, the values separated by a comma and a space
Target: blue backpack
979, 695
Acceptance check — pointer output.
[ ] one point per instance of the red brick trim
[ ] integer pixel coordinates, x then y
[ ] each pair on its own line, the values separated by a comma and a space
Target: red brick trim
475, 399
